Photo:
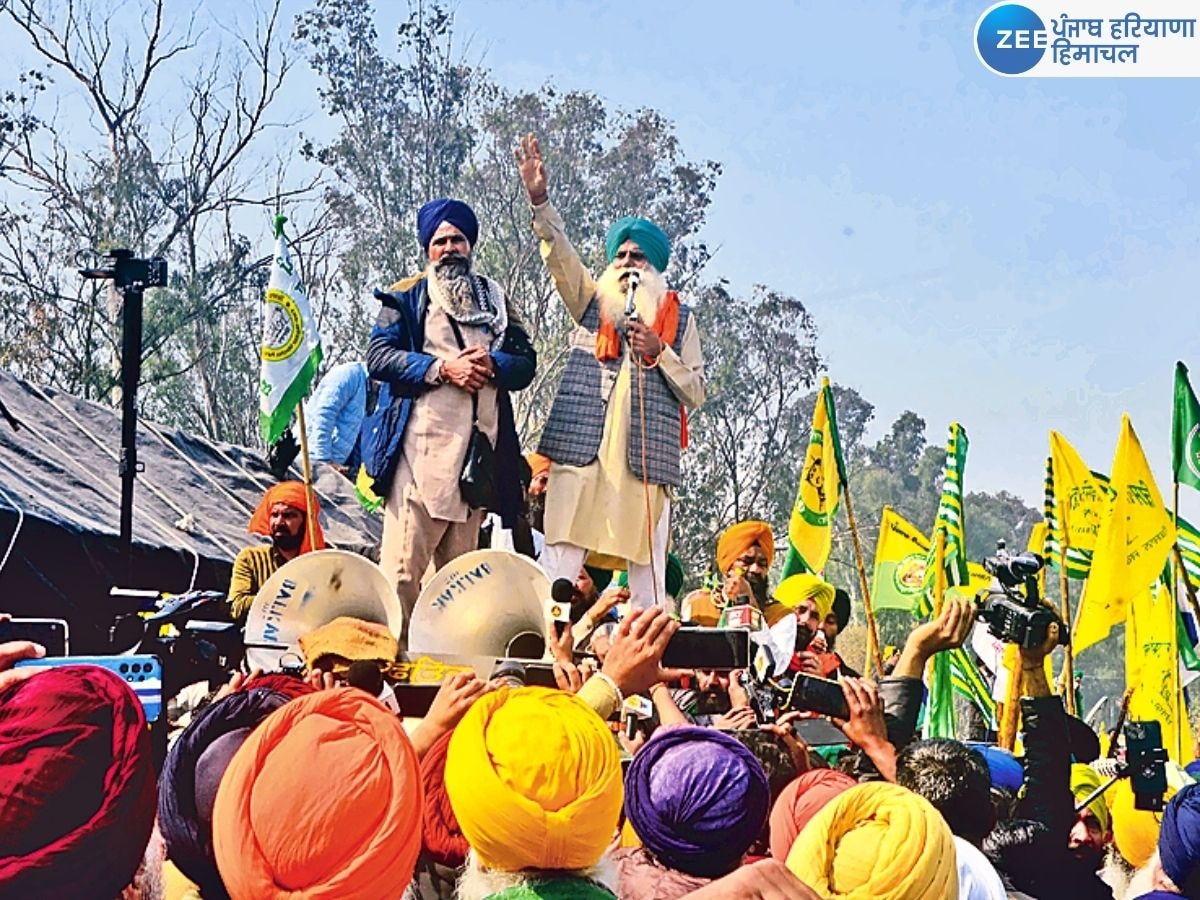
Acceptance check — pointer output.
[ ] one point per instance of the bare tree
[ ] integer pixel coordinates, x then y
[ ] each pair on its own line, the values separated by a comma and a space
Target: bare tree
178, 185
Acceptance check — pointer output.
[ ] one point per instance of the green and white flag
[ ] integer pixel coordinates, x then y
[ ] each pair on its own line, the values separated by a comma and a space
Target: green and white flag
1185, 431
291, 346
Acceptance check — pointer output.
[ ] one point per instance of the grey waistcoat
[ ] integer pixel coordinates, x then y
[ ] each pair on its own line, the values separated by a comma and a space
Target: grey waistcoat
576, 425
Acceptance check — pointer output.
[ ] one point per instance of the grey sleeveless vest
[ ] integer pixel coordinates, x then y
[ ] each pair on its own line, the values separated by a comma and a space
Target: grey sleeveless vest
576, 424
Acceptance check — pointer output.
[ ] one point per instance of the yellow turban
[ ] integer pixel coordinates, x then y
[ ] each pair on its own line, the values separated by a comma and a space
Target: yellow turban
534, 778
795, 589
737, 539
1084, 780
877, 841
1135, 831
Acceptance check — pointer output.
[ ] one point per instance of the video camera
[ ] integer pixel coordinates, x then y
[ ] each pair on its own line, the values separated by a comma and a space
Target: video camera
1011, 615
125, 270
1145, 765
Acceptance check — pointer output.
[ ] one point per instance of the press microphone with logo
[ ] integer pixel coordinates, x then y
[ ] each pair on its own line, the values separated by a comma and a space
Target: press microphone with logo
562, 592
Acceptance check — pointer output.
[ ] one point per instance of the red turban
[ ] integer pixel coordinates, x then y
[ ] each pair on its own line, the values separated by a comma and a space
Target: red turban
802, 799
290, 493
322, 801
442, 839
78, 797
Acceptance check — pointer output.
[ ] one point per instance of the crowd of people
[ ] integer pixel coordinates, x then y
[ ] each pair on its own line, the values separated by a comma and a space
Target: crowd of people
628, 779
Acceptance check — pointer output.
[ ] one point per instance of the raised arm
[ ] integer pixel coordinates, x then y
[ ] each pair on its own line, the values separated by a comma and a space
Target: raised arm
571, 279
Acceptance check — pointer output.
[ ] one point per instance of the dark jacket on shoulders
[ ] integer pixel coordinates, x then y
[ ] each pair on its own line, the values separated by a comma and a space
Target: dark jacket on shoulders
396, 357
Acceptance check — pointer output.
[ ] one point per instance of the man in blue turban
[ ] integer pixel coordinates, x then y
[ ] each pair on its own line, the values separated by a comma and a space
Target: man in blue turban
618, 422
448, 351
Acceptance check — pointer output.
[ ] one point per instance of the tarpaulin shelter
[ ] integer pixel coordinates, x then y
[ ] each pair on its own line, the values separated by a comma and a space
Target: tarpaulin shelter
60, 496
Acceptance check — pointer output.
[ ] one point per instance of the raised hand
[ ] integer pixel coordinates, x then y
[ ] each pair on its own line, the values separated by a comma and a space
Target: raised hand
533, 170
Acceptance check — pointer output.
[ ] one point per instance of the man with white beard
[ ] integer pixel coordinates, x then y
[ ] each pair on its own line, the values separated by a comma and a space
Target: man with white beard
618, 422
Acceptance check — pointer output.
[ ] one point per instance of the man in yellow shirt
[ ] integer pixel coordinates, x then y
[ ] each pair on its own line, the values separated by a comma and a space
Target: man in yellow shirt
281, 515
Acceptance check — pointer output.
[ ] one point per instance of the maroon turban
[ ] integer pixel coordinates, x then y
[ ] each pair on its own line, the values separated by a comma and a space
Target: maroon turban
442, 838
78, 799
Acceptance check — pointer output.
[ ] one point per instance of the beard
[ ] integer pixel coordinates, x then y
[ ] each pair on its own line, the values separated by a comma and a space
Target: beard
453, 276
285, 540
646, 299
713, 702
479, 883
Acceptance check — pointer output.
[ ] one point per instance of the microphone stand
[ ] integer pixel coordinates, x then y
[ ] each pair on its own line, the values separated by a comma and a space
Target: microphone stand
631, 315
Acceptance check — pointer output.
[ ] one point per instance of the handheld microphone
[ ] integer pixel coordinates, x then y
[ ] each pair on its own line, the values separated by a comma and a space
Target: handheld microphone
635, 279
562, 592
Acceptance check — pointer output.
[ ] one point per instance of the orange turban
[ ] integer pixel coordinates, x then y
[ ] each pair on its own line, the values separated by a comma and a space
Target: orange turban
292, 494
538, 464
322, 801
802, 799
739, 538
534, 777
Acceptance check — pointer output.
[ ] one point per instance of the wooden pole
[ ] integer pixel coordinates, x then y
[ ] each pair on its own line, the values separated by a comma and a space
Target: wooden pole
309, 518
1068, 658
873, 651
1012, 698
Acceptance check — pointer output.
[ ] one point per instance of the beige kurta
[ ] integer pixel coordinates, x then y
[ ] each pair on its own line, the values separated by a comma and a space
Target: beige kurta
602, 506
439, 426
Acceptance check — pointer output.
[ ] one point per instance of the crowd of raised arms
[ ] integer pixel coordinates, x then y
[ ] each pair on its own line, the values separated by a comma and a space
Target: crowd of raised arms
630, 778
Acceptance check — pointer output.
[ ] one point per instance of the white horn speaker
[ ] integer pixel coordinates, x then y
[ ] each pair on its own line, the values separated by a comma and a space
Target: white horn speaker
310, 591
485, 603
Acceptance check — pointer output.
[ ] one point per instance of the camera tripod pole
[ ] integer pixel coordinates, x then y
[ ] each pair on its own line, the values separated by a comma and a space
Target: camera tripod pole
131, 375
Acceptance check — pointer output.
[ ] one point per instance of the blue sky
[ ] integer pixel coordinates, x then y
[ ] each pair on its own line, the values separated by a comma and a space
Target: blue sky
1016, 254
1019, 255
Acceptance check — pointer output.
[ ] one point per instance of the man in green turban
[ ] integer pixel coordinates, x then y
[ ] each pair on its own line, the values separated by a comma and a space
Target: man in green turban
619, 419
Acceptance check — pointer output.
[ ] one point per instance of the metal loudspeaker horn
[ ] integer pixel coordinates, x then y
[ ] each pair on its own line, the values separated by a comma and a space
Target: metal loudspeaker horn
310, 591
485, 603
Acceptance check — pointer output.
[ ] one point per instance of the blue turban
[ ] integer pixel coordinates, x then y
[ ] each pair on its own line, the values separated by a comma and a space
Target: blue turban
645, 234
435, 212
1006, 770
697, 798
1179, 840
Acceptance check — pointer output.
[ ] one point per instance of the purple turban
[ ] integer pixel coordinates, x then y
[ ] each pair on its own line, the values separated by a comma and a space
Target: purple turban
697, 798
457, 213
1179, 840
192, 773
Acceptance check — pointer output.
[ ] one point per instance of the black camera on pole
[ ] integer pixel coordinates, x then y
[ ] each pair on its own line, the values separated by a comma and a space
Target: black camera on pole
127, 271
130, 276
1011, 615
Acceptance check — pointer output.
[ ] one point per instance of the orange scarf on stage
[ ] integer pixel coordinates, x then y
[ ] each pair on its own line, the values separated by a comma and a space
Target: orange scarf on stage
666, 326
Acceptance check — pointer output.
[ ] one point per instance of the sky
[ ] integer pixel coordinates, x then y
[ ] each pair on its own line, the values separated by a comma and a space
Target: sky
1014, 254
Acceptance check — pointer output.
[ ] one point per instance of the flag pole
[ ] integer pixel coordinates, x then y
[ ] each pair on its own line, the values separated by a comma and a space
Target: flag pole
939, 588
873, 654
1007, 737
308, 497
1068, 656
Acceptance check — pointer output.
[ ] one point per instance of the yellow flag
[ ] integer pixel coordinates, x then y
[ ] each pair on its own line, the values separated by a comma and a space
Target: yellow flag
1081, 497
1152, 669
899, 563
810, 529
1136, 536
